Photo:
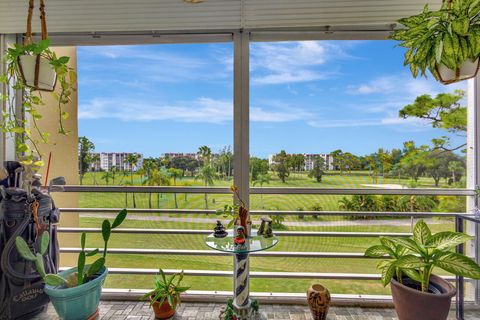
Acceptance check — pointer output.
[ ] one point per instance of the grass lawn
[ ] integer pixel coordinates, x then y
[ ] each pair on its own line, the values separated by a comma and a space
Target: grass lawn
267, 202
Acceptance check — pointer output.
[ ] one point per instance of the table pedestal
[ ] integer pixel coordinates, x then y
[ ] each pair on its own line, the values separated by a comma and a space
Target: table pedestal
241, 299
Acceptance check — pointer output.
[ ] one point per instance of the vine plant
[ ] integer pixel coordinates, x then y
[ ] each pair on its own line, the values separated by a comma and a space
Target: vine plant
22, 124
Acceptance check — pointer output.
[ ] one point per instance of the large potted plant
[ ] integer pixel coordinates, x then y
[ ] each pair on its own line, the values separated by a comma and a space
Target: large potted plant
75, 293
444, 41
417, 293
165, 297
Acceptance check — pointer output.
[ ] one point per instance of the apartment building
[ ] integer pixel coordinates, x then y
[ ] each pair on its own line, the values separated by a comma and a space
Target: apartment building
117, 159
310, 160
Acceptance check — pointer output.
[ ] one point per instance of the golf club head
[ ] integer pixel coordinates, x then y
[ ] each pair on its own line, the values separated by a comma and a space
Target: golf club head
56, 184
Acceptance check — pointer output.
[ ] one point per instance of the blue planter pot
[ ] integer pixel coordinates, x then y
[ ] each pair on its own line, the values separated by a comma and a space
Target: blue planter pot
77, 303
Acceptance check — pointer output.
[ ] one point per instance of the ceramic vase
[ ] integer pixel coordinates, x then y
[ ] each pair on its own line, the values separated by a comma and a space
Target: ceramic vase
319, 301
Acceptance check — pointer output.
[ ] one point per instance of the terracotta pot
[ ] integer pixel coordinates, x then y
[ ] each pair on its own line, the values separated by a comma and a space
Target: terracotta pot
318, 299
413, 304
163, 311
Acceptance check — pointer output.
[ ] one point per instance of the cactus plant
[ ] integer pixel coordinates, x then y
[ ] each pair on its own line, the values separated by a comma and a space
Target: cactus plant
84, 271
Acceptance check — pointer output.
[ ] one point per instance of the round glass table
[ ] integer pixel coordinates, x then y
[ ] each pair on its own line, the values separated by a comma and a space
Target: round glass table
241, 300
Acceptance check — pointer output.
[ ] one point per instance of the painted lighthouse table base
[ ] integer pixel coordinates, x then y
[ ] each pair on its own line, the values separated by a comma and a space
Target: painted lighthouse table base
243, 307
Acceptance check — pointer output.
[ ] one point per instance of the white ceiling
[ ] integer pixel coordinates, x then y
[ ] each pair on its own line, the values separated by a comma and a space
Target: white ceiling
85, 16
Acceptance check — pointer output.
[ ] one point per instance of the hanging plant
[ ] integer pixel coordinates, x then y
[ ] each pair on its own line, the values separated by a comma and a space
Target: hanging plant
446, 41
32, 67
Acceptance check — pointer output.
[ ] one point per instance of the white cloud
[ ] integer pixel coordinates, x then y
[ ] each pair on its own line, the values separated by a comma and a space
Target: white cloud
203, 110
292, 62
368, 122
379, 85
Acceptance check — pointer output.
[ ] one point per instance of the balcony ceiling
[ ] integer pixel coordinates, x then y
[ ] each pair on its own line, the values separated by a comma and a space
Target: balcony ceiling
85, 16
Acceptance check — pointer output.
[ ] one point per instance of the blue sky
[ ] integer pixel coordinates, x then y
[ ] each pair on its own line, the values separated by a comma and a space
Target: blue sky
310, 96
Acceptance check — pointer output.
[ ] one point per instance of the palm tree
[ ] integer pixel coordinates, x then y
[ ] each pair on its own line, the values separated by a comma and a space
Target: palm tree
175, 174
107, 175
95, 159
205, 153
207, 174
157, 178
132, 161
113, 170
261, 179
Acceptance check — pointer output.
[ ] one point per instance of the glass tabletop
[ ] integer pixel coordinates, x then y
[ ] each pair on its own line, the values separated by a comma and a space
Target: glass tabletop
252, 244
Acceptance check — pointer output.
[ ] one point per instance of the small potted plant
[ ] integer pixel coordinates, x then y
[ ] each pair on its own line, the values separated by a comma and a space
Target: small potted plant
416, 292
445, 41
238, 213
165, 298
75, 293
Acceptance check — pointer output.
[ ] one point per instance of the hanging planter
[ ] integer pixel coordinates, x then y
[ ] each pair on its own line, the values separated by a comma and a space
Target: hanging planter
34, 65
446, 41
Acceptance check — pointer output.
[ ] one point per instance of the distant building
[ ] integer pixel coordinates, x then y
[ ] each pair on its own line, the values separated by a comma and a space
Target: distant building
117, 159
310, 160
179, 155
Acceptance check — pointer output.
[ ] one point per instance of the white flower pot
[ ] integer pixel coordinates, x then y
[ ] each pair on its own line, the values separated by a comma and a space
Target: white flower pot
47, 77
466, 70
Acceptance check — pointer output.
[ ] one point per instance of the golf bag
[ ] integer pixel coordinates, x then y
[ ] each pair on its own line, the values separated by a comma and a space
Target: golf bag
27, 216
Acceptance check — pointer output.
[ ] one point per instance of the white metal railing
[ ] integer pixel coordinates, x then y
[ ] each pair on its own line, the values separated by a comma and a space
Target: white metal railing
281, 254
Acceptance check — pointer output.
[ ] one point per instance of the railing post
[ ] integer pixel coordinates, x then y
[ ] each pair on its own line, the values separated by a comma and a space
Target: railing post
460, 281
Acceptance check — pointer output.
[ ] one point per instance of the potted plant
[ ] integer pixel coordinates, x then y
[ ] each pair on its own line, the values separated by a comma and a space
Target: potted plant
165, 298
238, 213
75, 293
445, 41
416, 292
33, 67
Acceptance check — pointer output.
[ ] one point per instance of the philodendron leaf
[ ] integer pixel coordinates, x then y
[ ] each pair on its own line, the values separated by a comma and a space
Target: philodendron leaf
421, 232
388, 244
376, 251
458, 264
54, 280
409, 262
44, 242
446, 240
119, 219
23, 249
407, 243
387, 274
412, 274
106, 230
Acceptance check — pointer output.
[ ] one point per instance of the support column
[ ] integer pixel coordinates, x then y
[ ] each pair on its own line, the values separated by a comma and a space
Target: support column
241, 177
473, 174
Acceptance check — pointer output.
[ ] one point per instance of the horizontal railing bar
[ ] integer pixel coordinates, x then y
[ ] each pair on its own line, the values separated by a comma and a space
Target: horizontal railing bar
205, 232
267, 190
253, 274
342, 255
271, 213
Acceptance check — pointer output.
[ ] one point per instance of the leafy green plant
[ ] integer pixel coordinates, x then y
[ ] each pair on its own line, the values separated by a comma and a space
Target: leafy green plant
84, 271
417, 256
32, 101
449, 36
166, 289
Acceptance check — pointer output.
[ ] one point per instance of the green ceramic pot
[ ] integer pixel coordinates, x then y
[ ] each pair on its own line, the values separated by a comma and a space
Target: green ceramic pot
78, 303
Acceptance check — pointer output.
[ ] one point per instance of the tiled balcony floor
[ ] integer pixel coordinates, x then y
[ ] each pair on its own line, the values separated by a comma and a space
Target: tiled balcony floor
115, 310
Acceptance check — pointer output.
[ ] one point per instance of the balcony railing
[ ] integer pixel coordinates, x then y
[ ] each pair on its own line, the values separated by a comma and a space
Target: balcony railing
458, 219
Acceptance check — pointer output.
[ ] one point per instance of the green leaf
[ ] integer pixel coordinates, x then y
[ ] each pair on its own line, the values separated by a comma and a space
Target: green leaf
413, 274
446, 240
39, 265
387, 274
44, 242
54, 280
106, 230
408, 244
80, 268
377, 251
458, 264
421, 232
410, 262
120, 218
96, 266
92, 253
63, 60
82, 241
23, 249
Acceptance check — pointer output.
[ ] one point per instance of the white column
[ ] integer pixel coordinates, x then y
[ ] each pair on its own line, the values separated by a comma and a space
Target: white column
473, 167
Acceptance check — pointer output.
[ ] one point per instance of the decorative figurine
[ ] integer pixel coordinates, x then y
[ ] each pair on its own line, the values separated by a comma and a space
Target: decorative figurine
240, 235
219, 231
261, 230
268, 233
